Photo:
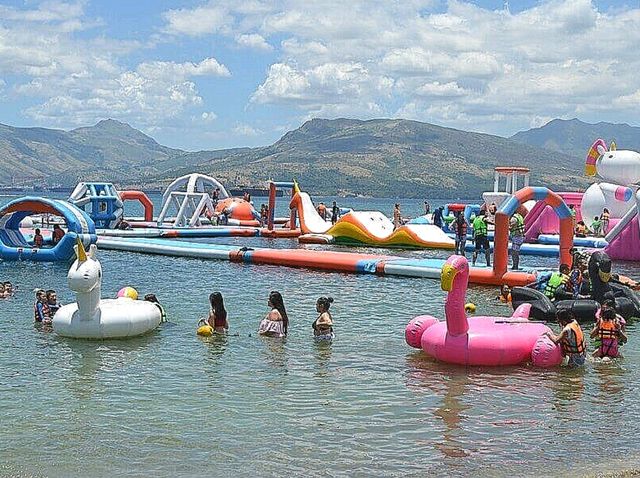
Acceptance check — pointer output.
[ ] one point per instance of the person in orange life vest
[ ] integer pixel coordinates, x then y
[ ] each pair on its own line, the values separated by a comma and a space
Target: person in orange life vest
610, 333
571, 338
581, 229
505, 294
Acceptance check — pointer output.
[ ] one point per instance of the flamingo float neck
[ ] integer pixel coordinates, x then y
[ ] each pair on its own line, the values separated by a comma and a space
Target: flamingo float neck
454, 279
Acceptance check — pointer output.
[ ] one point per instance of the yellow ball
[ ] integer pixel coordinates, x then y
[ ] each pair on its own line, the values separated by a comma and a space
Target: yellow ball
470, 308
129, 292
205, 331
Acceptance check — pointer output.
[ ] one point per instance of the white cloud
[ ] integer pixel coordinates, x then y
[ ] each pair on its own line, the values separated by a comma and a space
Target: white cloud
196, 22
253, 40
437, 89
242, 129
151, 94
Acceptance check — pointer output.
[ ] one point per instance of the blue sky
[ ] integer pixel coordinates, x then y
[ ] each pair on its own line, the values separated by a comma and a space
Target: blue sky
227, 73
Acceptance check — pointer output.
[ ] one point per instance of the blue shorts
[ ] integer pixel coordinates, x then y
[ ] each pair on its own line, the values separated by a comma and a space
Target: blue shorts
516, 243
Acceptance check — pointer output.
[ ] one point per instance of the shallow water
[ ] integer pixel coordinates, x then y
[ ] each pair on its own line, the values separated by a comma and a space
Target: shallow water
173, 404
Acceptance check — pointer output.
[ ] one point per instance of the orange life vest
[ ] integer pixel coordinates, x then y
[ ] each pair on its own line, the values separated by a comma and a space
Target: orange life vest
575, 344
607, 330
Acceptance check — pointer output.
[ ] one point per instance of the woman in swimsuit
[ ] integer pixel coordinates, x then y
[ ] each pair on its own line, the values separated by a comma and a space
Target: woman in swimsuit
217, 314
276, 322
323, 325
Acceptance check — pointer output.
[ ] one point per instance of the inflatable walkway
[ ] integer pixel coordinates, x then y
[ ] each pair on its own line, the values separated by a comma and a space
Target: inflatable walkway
329, 261
14, 245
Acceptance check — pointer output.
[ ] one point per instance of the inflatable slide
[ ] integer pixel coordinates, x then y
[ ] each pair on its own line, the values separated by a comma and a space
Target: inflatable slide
365, 228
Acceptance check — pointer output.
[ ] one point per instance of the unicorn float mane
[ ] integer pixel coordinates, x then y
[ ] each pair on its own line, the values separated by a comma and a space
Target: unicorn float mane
598, 148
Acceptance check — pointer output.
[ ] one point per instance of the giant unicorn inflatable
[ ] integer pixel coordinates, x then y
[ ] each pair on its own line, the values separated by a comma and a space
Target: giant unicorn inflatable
620, 170
94, 318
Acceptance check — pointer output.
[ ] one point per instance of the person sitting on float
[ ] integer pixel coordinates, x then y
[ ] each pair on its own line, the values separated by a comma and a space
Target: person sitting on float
38, 240
57, 234
549, 283
571, 338
581, 229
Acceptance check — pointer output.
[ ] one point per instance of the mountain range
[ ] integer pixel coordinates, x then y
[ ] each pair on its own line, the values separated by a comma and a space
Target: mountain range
380, 157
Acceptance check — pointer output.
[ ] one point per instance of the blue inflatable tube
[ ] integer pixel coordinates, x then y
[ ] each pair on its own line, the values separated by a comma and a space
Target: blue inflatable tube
13, 244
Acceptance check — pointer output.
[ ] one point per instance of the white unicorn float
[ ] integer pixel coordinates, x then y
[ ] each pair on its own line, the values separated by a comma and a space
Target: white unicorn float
94, 318
620, 170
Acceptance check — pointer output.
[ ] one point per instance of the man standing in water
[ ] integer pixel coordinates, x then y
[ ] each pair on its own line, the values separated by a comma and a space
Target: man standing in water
480, 232
335, 212
516, 229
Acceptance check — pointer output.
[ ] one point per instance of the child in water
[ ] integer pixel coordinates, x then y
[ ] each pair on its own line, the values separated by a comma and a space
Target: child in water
276, 322
609, 332
505, 294
217, 314
571, 338
323, 325
41, 310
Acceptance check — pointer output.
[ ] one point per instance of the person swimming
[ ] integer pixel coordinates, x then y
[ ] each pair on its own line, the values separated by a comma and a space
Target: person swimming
505, 294
276, 322
323, 325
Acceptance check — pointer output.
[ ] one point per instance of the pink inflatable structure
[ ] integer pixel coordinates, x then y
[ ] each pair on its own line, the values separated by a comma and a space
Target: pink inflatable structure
542, 219
487, 341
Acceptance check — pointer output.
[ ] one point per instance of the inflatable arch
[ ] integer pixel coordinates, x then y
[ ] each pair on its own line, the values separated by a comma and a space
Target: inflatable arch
511, 205
14, 246
194, 183
143, 199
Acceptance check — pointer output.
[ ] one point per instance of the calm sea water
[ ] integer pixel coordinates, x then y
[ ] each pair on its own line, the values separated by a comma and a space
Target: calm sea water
173, 404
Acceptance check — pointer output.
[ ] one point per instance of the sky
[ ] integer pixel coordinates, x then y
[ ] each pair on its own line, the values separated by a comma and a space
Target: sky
227, 73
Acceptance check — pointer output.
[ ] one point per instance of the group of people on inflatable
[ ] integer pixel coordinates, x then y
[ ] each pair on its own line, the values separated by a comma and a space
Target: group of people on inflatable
274, 324
47, 303
582, 287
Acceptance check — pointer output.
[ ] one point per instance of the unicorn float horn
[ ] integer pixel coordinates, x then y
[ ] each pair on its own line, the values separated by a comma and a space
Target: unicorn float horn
81, 254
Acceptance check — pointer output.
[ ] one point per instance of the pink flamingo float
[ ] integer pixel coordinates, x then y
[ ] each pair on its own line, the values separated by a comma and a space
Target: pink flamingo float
487, 341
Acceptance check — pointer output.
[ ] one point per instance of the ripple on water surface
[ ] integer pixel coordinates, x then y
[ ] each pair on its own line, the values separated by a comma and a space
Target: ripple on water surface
171, 403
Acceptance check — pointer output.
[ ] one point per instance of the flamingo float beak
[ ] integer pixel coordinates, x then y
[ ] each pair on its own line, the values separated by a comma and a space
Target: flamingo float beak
446, 277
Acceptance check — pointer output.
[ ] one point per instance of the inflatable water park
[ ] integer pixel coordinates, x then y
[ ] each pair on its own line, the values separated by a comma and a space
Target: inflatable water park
195, 208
